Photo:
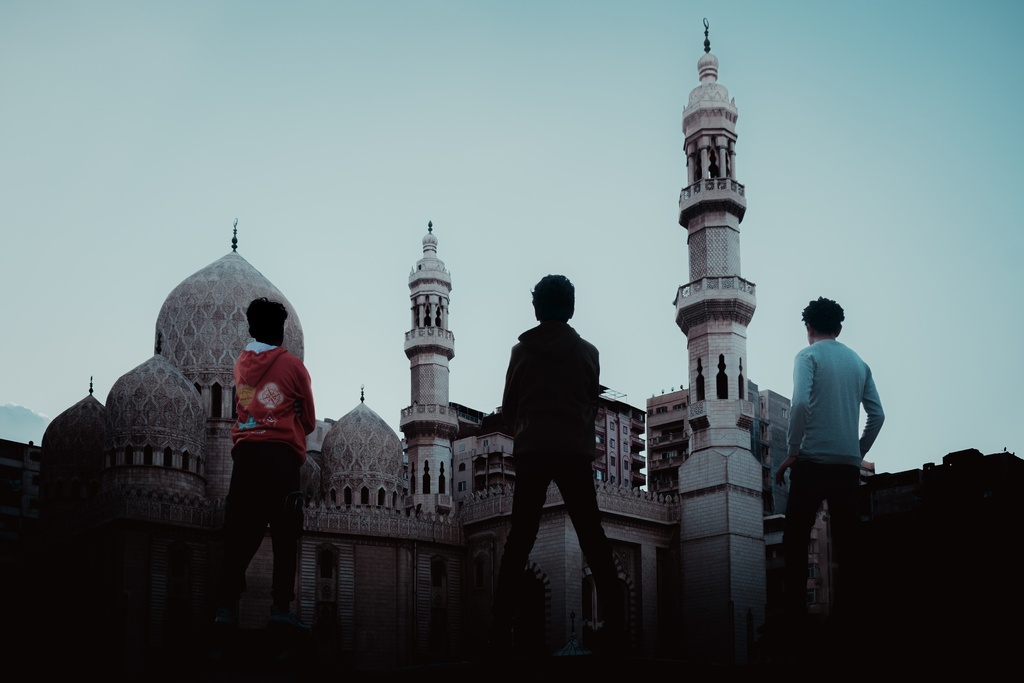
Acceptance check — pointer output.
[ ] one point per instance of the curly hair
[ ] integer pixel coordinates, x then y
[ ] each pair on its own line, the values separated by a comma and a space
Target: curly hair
554, 298
824, 316
266, 319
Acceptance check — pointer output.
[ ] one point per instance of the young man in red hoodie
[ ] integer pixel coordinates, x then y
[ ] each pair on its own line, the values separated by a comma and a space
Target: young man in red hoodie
274, 401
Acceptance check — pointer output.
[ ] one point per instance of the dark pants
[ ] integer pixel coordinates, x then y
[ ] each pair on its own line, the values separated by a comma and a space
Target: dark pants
574, 476
264, 490
810, 484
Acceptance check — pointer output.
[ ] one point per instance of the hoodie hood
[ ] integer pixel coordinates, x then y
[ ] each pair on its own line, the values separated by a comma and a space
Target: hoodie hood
551, 338
253, 366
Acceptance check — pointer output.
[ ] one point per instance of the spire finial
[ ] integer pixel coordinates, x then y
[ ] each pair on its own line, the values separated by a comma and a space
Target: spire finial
234, 237
90, 385
362, 394
430, 227
707, 41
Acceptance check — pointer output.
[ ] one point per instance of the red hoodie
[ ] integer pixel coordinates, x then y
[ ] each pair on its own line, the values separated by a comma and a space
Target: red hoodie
269, 386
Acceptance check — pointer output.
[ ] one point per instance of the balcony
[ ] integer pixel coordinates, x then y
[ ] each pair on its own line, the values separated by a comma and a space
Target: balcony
672, 438
669, 418
712, 194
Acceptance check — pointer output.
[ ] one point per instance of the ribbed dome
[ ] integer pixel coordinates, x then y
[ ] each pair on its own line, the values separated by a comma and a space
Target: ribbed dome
362, 450
155, 406
202, 327
71, 460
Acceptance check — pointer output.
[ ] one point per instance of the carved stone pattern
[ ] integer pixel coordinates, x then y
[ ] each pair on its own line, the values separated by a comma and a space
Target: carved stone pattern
623, 499
201, 327
154, 404
385, 522
73, 441
361, 450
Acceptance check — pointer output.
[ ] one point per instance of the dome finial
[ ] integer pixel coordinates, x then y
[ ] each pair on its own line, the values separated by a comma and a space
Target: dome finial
362, 395
707, 41
234, 237
90, 385
430, 226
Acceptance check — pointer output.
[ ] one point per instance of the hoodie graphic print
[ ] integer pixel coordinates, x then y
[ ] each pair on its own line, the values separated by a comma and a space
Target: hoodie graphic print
274, 399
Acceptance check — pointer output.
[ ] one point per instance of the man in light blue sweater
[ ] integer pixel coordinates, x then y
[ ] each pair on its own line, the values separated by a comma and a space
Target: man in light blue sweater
830, 384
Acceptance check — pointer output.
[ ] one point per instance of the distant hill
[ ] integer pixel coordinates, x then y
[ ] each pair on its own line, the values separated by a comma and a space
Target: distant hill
18, 423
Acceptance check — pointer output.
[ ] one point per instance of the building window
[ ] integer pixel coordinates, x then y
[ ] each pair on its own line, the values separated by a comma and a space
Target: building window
462, 486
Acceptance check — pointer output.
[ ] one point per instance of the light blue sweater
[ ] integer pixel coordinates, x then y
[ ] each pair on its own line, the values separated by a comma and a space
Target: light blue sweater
830, 383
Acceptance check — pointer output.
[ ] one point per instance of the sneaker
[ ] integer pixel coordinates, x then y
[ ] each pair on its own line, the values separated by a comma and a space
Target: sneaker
225, 617
285, 617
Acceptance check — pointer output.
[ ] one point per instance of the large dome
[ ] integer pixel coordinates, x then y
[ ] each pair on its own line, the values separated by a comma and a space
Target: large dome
362, 451
202, 327
155, 421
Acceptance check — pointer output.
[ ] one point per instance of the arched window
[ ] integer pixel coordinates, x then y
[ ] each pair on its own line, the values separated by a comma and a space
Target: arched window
700, 381
334, 497
364, 496
185, 463
147, 455
168, 458
721, 380
215, 400
440, 480
129, 456
348, 496
380, 497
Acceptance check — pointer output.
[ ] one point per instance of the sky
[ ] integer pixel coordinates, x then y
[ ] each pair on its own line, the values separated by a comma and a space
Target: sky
879, 144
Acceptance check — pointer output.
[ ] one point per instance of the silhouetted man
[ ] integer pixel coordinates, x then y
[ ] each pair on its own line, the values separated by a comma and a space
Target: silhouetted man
830, 384
549, 406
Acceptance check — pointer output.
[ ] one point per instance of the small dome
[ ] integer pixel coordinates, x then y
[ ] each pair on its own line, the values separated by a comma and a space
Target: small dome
72, 450
202, 327
361, 450
430, 267
707, 68
154, 409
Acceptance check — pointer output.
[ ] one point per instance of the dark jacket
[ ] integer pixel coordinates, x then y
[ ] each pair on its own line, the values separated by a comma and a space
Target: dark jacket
551, 391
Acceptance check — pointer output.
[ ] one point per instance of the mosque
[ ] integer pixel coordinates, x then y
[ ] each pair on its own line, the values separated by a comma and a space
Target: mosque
402, 535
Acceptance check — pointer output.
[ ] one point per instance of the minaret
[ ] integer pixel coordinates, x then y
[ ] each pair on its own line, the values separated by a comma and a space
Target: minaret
723, 561
429, 423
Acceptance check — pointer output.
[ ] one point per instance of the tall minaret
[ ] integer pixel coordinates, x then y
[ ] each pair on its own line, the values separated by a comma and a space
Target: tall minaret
723, 560
429, 424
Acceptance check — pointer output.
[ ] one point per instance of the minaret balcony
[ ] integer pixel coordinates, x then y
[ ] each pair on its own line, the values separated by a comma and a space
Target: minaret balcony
728, 297
436, 339
710, 194
429, 420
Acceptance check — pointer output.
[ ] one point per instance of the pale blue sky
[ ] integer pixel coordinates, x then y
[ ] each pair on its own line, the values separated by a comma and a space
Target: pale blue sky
879, 143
